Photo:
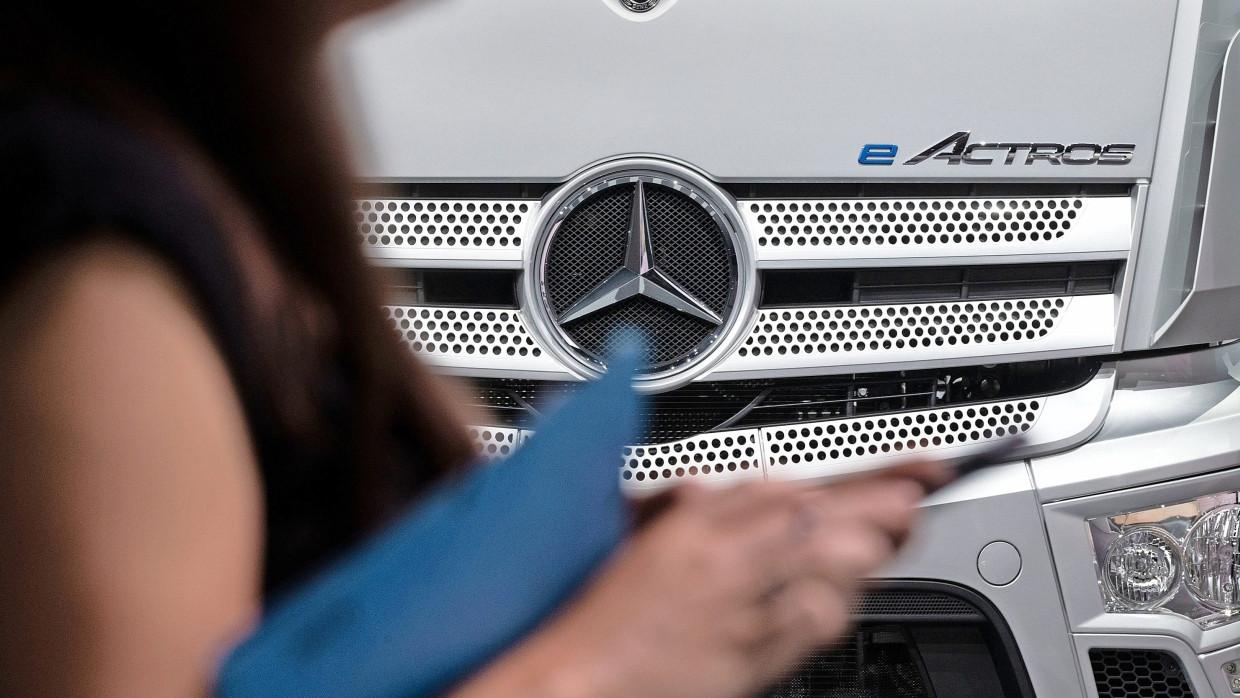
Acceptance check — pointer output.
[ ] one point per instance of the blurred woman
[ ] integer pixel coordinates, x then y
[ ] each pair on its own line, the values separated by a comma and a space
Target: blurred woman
200, 401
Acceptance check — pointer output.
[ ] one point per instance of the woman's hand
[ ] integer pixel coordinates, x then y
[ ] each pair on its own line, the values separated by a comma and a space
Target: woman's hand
720, 594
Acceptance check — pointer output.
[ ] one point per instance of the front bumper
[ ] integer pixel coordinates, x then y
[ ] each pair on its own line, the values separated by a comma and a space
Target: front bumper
1172, 431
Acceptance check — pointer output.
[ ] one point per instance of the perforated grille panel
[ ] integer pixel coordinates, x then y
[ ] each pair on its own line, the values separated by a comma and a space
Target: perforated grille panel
463, 331
442, 223
1128, 673
494, 443
828, 446
717, 455
956, 222
781, 332
844, 440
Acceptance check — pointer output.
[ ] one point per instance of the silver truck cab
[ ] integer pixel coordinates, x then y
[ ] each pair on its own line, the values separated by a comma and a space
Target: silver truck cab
852, 232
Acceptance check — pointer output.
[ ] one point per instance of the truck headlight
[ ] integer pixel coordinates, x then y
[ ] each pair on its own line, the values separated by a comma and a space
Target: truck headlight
1212, 552
1142, 567
1181, 558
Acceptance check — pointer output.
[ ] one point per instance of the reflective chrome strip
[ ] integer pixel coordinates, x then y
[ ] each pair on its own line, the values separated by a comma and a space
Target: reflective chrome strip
471, 338
481, 231
809, 450
819, 232
788, 339
786, 232
715, 456
494, 443
792, 341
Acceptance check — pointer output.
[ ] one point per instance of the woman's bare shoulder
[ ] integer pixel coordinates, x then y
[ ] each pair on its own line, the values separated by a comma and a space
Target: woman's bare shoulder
129, 478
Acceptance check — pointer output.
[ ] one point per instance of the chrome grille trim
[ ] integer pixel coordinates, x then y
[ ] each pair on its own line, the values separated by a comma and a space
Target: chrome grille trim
483, 231
814, 232
863, 438
473, 338
715, 456
792, 341
804, 338
465, 238
495, 443
806, 232
810, 450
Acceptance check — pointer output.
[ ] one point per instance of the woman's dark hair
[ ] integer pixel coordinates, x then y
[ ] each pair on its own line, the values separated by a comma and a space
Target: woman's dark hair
239, 78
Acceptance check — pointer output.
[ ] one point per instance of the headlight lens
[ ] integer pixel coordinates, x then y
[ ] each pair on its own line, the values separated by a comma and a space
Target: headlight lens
1212, 551
1181, 558
1142, 567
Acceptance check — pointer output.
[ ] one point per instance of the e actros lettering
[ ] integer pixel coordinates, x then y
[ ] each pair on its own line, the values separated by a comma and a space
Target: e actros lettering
956, 149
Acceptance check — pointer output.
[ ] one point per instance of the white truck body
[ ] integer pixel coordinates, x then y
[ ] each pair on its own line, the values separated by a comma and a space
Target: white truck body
1040, 195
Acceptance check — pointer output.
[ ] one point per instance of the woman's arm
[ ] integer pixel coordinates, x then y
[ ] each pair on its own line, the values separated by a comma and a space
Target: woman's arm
130, 508
720, 595
131, 527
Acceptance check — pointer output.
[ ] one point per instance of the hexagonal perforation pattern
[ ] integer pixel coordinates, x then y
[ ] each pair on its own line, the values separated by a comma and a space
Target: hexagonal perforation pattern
859, 438
443, 223
786, 331
1129, 673
493, 332
895, 222
494, 443
714, 455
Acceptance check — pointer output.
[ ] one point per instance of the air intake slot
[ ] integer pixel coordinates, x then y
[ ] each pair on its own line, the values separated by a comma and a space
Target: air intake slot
455, 287
706, 406
824, 287
933, 640
1126, 673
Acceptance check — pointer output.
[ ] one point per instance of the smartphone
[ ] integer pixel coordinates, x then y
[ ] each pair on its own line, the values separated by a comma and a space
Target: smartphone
995, 453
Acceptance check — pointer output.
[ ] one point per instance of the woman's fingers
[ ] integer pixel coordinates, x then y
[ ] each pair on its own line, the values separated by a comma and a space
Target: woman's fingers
838, 534
746, 503
722, 591
808, 614
931, 474
843, 555
890, 504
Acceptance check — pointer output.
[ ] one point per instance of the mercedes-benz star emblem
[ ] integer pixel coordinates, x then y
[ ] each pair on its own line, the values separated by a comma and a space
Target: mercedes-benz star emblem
639, 276
639, 249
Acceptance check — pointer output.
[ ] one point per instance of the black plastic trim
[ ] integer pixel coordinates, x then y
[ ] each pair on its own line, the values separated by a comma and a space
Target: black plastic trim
537, 189
1014, 675
486, 288
790, 288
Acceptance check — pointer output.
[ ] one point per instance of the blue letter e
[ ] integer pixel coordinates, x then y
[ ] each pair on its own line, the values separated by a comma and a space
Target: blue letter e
877, 154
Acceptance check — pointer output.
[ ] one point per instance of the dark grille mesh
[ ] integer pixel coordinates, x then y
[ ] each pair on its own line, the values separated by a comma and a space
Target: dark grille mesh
1139, 674
701, 407
910, 603
688, 246
912, 643
666, 334
873, 663
587, 247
